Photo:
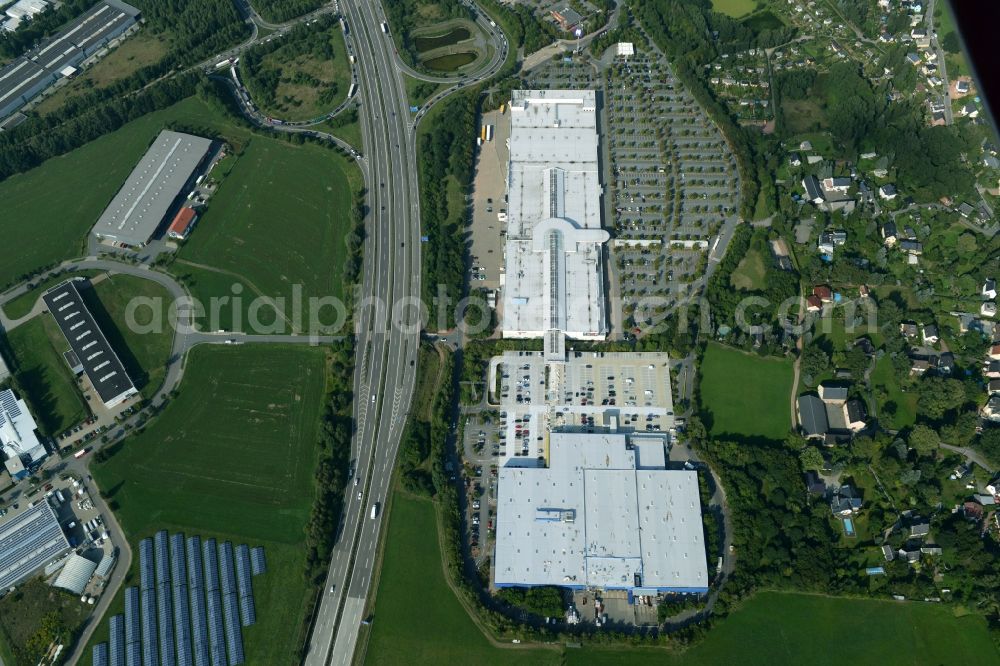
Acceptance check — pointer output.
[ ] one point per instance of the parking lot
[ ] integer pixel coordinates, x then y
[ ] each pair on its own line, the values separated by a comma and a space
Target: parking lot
489, 204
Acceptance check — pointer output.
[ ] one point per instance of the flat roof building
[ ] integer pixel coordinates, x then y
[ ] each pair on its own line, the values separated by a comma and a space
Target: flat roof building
86, 340
28, 542
162, 174
553, 274
57, 57
605, 514
18, 438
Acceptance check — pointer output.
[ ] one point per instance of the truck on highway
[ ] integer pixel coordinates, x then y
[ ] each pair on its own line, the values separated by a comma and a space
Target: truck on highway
352, 90
385, 27
482, 133
343, 25
374, 510
352, 58
489, 132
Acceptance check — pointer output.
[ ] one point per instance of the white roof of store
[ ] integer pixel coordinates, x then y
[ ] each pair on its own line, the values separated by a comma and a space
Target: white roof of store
553, 255
75, 574
17, 429
599, 518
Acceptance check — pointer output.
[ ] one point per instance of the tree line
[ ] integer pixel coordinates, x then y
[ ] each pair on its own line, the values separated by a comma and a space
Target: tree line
279, 11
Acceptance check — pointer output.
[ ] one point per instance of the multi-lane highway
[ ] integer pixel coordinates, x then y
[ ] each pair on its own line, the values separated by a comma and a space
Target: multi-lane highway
388, 322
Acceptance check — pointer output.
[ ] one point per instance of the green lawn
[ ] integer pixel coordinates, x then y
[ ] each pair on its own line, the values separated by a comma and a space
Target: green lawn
771, 628
734, 8
144, 354
744, 394
412, 578
278, 220
749, 274
233, 457
43, 224
775, 628
884, 378
44, 377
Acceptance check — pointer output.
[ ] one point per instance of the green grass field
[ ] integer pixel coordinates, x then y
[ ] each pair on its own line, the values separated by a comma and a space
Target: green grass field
233, 457
279, 219
43, 375
883, 378
734, 8
44, 224
749, 274
771, 628
144, 354
745, 394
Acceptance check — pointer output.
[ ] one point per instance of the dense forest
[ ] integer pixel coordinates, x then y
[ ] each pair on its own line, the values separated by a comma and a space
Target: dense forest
279, 11
445, 154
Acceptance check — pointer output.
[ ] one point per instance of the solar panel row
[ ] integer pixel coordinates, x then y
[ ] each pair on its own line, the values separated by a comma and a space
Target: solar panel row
178, 561
216, 629
116, 647
244, 586
182, 624
196, 593
234, 635
100, 654
133, 654
132, 613
257, 561
211, 565
146, 574
165, 617
150, 655
227, 570
162, 559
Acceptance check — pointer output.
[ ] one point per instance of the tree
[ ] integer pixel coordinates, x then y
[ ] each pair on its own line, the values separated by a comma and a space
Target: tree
811, 459
938, 395
924, 440
950, 42
815, 361
864, 449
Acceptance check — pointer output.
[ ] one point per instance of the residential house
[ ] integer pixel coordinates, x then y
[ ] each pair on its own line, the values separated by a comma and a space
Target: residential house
888, 553
929, 334
887, 192
813, 303
889, 234
815, 483
919, 365
836, 185
865, 345
824, 293
946, 363
994, 352
795, 159
973, 510
991, 411
969, 110
988, 309
813, 193
846, 501
835, 394
864, 291
992, 369
990, 289
919, 530
812, 416
908, 329
962, 86
931, 550
913, 58
911, 247
912, 556
828, 240
856, 415
993, 386
881, 169
965, 210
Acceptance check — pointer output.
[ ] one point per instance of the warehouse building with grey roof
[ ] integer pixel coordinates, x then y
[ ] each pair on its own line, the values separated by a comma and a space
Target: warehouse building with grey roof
160, 177
606, 514
29, 541
58, 56
88, 343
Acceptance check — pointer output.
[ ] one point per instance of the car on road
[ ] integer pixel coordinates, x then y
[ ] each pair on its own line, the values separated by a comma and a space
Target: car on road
359, 494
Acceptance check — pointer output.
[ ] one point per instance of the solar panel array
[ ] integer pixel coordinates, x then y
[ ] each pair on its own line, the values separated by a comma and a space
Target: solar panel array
189, 607
230, 603
182, 613
257, 562
116, 648
164, 604
196, 593
133, 636
248, 613
147, 578
150, 655
100, 654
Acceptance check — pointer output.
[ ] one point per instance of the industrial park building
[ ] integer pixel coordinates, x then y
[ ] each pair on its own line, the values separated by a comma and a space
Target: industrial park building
58, 57
18, 438
88, 345
553, 284
143, 202
28, 542
605, 514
